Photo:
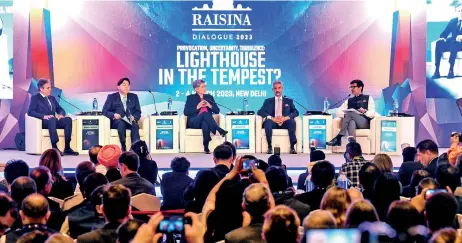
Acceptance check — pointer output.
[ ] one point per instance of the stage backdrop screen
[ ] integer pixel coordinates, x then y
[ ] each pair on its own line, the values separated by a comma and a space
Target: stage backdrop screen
238, 47
6, 49
444, 36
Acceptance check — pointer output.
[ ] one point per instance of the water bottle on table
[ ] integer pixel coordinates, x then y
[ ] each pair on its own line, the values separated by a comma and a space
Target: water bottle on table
309, 184
245, 104
342, 181
395, 107
95, 105
326, 104
169, 104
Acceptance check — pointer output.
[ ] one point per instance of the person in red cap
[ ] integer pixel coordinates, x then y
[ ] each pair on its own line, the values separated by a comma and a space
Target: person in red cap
109, 157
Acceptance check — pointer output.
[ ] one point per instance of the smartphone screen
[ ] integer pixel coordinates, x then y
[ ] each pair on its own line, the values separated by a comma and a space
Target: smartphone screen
333, 236
172, 224
430, 193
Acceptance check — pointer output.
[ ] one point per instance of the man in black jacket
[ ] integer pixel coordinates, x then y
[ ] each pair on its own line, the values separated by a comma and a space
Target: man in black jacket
279, 112
174, 184
199, 109
427, 154
257, 200
452, 44
116, 210
129, 164
124, 111
408, 166
322, 176
34, 215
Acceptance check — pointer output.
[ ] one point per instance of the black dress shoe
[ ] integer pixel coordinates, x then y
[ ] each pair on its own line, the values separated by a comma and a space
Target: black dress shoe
206, 151
269, 151
69, 151
224, 133
292, 151
451, 74
436, 75
334, 142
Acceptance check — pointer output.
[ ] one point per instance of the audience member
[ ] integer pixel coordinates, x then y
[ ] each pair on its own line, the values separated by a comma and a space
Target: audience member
409, 165
410, 190
336, 200
8, 213
368, 173
82, 170
130, 163
315, 156
440, 210
402, 215
427, 155
456, 147
223, 158
278, 183
448, 176
59, 238
200, 189
256, 201
360, 212
127, 231
274, 160
322, 176
351, 168
42, 177
14, 169
319, 219
281, 225
33, 237
85, 217
116, 210
233, 148
174, 184
446, 235
34, 215
442, 159
93, 153
21, 188
148, 167
383, 162
61, 187
108, 156
386, 190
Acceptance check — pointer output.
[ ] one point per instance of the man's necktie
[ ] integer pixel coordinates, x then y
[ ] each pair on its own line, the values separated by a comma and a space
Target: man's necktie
459, 26
124, 102
49, 103
279, 108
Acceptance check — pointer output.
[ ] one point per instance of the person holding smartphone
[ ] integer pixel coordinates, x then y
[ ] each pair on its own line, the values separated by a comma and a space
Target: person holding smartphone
456, 147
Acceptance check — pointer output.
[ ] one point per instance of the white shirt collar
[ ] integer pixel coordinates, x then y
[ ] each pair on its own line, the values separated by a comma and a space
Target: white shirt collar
44, 96
121, 96
277, 98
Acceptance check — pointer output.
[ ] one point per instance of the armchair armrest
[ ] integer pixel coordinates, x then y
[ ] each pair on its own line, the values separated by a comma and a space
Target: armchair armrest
258, 133
183, 123
33, 135
299, 133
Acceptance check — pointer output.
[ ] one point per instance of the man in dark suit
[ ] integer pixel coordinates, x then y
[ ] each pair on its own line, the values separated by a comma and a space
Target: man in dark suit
34, 216
116, 210
123, 109
129, 164
279, 112
43, 106
427, 154
452, 44
408, 166
174, 184
322, 175
257, 200
199, 109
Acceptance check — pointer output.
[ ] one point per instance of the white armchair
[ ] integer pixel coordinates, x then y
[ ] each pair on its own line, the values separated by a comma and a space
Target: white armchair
38, 139
113, 137
444, 64
365, 137
280, 137
191, 140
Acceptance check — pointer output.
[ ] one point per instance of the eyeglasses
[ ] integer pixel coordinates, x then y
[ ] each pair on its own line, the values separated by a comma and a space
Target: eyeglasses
352, 87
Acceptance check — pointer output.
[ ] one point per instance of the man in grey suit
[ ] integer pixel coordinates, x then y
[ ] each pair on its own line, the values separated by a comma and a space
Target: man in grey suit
257, 200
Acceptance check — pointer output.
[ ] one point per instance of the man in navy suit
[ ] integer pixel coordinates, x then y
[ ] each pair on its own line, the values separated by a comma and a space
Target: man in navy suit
43, 106
452, 44
120, 107
199, 108
278, 113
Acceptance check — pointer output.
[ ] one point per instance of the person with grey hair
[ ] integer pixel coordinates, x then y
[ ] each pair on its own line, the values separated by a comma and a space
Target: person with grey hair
199, 109
44, 106
279, 113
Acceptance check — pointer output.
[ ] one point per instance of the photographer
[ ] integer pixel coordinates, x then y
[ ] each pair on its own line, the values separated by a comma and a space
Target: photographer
456, 147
